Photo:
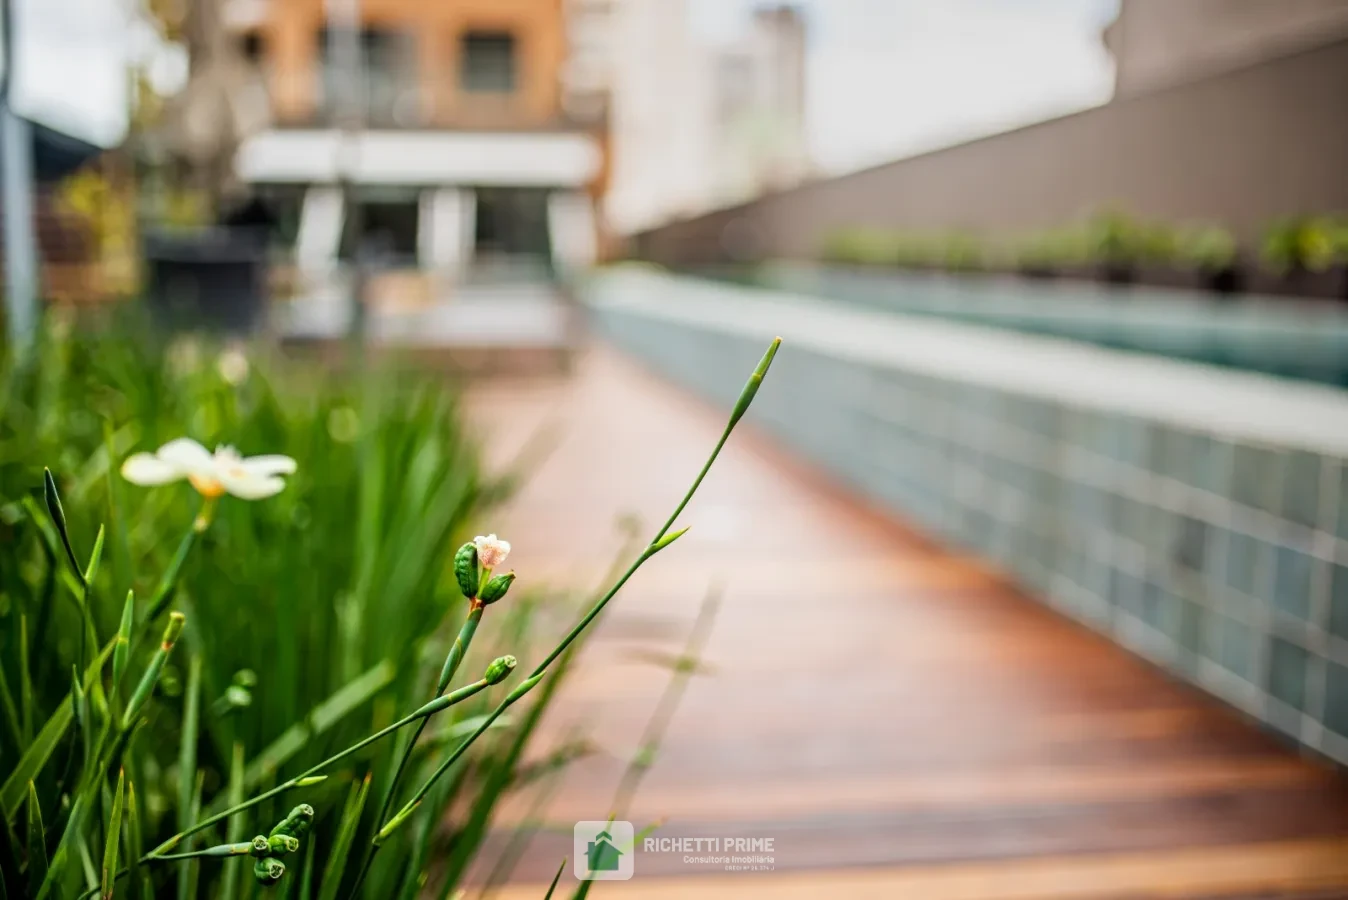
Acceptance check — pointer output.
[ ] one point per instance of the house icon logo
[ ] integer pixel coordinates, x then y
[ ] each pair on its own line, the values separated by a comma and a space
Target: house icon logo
604, 851
603, 856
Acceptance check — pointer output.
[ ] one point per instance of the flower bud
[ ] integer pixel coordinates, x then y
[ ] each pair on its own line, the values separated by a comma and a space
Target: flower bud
173, 630
496, 588
261, 847
466, 569
296, 824
150, 678
499, 669
268, 870
395, 823
283, 843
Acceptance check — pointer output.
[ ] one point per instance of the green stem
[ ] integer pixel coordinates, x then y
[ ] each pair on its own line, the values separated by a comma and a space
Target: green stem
163, 592
662, 539
429, 709
741, 407
461, 642
243, 848
452, 661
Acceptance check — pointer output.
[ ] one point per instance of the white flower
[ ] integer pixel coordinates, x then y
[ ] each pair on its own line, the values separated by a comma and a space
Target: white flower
212, 474
491, 550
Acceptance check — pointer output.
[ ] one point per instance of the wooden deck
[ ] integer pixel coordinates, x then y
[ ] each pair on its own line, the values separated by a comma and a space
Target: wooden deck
900, 720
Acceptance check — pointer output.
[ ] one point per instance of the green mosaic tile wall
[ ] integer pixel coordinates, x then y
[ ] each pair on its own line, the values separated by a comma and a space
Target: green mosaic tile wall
1224, 561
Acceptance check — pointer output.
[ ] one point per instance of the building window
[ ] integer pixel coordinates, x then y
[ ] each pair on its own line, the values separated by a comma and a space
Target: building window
490, 62
511, 225
251, 47
387, 223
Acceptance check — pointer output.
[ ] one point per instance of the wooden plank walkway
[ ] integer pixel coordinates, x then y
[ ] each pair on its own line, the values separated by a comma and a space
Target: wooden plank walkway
900, 720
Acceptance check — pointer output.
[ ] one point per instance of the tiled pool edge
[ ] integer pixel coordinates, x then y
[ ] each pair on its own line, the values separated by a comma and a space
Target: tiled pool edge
1223, 560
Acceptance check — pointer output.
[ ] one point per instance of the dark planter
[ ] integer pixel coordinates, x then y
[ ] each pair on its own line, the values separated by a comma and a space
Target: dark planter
1226, 281
1117, 273
1175, 277
212, 279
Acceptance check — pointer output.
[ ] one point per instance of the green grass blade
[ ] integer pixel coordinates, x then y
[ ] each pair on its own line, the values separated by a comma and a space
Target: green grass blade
501, 772
190, 872
135, 886
187, 765
95, 558
26, 696
307, 877
121, 548
122, 648
234, 824
52, 541
323, 717
11, 711
114, 837
58, 518
37, 843
73, 825
163, 592
87, 864
80, 710
346, 834
556, 878
583, 889
30, 764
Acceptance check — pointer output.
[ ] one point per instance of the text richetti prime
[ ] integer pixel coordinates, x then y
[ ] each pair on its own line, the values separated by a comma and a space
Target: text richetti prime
707, 845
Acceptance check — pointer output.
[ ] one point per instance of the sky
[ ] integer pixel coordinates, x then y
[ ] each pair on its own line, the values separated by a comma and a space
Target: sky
890, 78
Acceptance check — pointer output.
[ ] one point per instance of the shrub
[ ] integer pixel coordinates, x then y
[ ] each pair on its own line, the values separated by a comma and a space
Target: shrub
1209, 248
1301, 244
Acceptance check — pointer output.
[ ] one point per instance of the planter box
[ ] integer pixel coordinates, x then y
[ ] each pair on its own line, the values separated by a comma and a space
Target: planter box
1329, 285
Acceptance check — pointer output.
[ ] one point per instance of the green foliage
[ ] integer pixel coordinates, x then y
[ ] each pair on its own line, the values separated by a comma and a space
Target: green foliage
305, 623
335, 591
955, 250
1304, 244
1109, 238
1209, 248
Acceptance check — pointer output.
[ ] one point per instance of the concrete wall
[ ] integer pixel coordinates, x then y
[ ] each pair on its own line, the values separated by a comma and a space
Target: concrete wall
1197, 516
1242, 148
1162, 42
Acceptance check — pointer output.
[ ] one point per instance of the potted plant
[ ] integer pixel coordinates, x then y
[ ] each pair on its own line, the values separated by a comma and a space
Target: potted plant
1298, 259
1211, 254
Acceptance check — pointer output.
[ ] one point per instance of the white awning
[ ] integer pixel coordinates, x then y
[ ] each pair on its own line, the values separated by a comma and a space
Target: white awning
421, 158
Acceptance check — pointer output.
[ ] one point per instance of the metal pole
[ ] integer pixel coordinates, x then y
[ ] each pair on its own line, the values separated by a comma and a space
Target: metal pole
16, 193
344, 54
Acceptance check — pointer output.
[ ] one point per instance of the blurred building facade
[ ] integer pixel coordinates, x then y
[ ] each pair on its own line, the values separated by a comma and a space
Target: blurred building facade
1156, 43
697, 125
463, 132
